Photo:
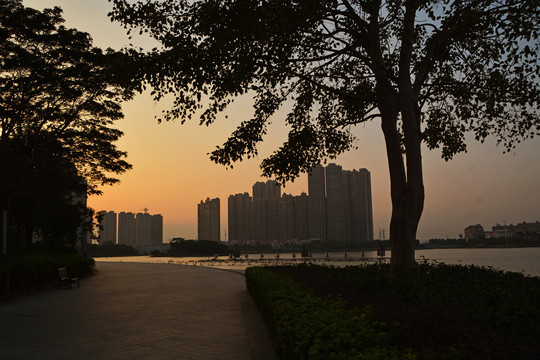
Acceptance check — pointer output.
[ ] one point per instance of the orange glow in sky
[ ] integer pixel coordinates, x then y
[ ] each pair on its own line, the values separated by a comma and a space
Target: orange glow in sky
172, 172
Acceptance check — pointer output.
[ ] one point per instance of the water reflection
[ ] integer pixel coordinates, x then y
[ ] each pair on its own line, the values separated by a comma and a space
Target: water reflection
523, 260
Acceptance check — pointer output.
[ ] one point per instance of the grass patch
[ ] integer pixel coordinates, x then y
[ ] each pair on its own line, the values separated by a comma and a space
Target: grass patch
431, 312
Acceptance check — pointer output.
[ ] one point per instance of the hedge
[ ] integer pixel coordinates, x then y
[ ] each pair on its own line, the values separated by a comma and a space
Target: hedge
38, 271
304, 326
438, 311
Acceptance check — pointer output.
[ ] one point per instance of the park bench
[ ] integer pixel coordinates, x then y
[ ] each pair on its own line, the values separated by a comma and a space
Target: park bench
64, 279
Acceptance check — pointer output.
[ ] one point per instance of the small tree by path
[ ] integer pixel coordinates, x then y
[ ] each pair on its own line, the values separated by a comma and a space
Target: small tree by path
59, 99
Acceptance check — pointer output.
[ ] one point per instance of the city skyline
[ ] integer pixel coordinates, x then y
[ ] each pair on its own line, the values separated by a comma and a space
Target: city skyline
139, 230
482, 186
337, 208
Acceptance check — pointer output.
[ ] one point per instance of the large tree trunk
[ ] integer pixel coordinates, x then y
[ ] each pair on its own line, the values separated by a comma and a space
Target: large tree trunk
407, 193
406, 212
406, 179
406, 182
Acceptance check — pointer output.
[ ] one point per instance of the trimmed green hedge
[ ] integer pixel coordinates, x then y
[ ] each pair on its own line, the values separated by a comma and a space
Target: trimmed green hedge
506, 302
38, 271
304, 326
431, 312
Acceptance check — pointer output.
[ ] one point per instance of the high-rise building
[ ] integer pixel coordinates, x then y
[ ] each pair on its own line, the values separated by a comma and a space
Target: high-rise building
126, 229
240, 218
266, 190
301, 216
287, 220
208, 220
347, 190
157, 230
215, 220
143, 230
259, 220
338, 208
334, 203
266, 198
107, 227
317, 200
231, 218
201, 228
358, 206
340, 205
366, 207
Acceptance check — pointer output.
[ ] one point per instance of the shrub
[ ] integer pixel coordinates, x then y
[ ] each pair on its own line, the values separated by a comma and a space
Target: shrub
304, 326
39, 271
440, 311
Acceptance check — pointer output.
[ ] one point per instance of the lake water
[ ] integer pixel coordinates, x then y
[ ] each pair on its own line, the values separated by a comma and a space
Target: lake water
523, 260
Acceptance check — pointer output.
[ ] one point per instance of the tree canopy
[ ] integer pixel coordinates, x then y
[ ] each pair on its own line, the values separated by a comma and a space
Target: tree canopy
430, 70
59, 98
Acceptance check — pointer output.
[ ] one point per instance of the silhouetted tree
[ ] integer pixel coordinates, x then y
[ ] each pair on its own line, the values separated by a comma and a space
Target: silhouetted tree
182, 247
430, 70
108, 248
59, 97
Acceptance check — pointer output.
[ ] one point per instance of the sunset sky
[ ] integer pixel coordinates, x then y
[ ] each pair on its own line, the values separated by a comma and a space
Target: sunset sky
172, 172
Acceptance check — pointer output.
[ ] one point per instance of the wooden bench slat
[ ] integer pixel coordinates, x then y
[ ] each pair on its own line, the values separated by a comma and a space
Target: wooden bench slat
65, 279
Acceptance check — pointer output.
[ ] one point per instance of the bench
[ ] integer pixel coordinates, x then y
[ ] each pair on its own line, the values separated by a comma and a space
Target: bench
64, 279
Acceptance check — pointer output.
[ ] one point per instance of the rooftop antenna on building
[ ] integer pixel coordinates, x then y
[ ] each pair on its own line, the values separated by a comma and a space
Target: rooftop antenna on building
145, 210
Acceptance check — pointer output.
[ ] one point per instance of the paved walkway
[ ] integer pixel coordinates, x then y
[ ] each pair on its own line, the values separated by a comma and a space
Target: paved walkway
139, 311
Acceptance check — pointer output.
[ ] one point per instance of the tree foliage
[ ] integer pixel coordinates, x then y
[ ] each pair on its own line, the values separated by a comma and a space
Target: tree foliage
59, 97
430, 70
182, 247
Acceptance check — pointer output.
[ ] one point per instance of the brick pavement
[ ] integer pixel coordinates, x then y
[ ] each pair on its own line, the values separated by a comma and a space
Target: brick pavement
139, 311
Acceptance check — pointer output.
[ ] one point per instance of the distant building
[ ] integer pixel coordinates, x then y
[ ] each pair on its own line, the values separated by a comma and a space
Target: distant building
241, 218
474, 232
521, 230
157, 230
335, 205
358, 205
340, 204
208, 220
140, 231
127, 229
107, 227
301, 215
266, 203
266, 190
287, 219
317, 203
143, 230
338, 208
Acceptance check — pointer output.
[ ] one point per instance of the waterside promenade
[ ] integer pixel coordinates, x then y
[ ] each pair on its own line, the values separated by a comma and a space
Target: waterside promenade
139, 311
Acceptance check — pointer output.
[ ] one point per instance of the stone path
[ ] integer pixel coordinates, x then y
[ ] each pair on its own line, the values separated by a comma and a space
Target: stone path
139, 311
